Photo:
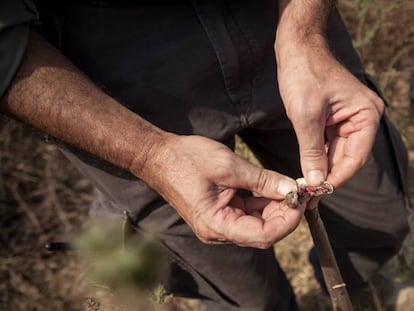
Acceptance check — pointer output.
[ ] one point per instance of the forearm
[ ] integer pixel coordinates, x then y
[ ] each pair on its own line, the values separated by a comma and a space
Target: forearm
303, 23
49, 93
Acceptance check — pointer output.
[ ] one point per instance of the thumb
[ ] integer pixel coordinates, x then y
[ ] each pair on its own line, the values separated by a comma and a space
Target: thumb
267, 183
313, 157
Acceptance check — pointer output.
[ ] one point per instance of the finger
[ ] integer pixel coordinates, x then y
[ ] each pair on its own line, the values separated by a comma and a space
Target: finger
216, 241
311, 139
355, 151
265, 207
249, 205
257, 232
267, 183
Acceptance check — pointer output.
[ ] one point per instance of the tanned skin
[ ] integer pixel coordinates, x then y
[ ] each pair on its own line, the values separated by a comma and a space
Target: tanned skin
198, 176
322, 97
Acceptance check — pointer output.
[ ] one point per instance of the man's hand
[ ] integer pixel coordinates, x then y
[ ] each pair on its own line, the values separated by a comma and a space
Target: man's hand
335, 116
324, 101
199, 178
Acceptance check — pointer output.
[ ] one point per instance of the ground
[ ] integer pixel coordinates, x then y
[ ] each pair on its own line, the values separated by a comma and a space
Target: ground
42, 198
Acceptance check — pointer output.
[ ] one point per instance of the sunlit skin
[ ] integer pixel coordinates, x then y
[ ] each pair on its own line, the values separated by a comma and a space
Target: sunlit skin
198, 176
334, 115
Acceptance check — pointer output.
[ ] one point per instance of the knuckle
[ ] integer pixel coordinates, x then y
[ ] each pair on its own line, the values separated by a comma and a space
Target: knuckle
308, 124
262, 246
372, 99
313, 154
379, 103
266, 240
262, 180
202, 233
302, 110
226, 167
294, 108
361, 162
205, 241
377, 100
356, 163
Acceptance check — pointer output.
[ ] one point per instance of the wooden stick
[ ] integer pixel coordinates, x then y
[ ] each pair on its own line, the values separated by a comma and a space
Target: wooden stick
333, 279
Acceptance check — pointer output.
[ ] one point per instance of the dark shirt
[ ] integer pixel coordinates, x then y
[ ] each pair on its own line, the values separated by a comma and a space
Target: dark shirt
15, 17
188, 67
178, 64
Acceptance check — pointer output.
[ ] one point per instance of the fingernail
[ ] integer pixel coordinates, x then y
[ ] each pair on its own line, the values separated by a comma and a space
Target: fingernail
315, 177
285, 186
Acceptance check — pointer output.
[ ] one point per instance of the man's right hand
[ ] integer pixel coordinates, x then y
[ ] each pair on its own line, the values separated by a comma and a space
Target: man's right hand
199, 178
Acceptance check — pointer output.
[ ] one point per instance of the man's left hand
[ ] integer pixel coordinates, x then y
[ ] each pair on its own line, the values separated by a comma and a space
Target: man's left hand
334, 115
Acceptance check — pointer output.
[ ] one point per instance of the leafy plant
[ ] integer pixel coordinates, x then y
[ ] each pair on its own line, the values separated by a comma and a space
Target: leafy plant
137, 262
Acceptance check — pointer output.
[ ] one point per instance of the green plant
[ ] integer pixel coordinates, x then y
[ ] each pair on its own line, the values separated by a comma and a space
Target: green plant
137, 262
160, 296
371, 16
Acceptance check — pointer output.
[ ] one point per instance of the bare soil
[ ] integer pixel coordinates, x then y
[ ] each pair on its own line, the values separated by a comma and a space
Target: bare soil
43, 198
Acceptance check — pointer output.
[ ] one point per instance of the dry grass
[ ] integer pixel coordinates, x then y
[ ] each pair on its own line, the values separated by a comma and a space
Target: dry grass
43, 198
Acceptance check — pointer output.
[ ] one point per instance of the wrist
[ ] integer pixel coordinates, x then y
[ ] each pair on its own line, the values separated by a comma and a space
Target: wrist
302, 25
287, 45
149, 155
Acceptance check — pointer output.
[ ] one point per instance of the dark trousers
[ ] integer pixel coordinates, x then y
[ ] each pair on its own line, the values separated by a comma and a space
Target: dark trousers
208, 68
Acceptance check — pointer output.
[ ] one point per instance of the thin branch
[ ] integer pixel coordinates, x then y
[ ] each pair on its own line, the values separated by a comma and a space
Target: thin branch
333, 279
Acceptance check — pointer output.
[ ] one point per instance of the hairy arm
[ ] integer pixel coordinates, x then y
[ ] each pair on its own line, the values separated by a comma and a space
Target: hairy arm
54, 96
322, 98
197, 176
303, 19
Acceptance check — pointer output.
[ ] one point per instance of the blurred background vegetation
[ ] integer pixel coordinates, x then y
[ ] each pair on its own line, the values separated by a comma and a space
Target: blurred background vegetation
43, 198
